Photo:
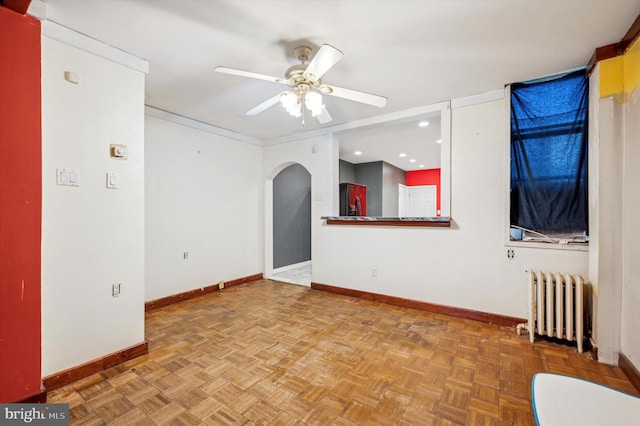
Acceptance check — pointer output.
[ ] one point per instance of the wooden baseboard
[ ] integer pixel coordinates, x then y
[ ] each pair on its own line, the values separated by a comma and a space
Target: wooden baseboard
431, 307
65, 377
594, 349
169, 300
39, 398
629, 370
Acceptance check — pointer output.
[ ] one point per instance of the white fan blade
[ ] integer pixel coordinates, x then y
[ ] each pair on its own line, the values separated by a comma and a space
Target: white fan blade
233, 71
326, 57
266, 104
324, 116
354, 95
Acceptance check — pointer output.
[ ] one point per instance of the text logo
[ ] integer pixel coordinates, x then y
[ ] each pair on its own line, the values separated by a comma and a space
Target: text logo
34, 414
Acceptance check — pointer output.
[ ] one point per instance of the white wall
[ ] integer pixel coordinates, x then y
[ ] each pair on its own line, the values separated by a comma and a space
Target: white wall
605, 230
203, 196
92, 237
463, 266
614, 151
630, 337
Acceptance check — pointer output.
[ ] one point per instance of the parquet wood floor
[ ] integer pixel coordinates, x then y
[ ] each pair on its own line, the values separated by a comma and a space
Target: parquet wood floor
273, 353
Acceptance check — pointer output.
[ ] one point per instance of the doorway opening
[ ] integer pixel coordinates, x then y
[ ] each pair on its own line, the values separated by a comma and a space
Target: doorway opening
290, 226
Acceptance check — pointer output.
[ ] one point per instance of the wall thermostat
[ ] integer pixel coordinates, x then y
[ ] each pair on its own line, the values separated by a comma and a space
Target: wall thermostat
119, 151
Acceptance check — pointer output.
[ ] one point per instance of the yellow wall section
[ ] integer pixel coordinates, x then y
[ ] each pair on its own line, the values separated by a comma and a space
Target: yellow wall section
620, 76
611, 77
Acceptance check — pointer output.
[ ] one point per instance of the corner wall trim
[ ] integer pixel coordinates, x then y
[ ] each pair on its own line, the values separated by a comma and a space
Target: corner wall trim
480, 98
80, 41
615, 49
629, 370
198, 125
485, 317
169, 300
62, 378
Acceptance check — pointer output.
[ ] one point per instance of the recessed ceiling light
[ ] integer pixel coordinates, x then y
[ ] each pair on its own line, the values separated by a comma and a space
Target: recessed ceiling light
358, 153
413, 160
423, 123
421, 166
439, 141
402, 155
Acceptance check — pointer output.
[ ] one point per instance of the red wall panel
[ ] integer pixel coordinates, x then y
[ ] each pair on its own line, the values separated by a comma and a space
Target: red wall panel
20, 206
426, 177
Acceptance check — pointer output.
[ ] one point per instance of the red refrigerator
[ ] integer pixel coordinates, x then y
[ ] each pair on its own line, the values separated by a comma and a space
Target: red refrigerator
353, 199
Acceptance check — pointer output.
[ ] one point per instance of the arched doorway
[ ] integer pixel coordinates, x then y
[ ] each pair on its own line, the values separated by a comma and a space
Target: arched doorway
289, 227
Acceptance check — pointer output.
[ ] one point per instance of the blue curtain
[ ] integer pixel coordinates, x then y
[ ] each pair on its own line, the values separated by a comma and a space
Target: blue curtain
549, 129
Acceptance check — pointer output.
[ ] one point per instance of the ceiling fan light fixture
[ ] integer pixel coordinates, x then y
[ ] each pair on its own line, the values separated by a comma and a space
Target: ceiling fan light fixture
291, 102
313, 102
305, 83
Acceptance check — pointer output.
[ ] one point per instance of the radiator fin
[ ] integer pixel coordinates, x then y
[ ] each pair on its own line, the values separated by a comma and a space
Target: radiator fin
556, 306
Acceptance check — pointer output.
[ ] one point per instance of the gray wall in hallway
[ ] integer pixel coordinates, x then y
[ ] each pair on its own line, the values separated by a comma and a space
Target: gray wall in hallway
391, 177
347, 172
291, 216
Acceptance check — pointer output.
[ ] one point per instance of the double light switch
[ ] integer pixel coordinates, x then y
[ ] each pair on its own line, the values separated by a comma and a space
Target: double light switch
67, 177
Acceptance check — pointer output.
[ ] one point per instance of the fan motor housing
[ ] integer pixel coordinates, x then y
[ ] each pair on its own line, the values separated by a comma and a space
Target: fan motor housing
295, 72
296, 76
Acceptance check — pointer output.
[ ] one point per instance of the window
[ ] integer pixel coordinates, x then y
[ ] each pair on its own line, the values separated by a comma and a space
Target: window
549, 158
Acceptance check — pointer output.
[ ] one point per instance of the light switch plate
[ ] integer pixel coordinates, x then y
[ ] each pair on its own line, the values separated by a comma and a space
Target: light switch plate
113, 180
67, 177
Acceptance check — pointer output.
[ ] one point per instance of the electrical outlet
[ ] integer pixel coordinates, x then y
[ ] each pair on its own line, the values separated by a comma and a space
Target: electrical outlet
374, 272
220, 285
185, 255
115, 290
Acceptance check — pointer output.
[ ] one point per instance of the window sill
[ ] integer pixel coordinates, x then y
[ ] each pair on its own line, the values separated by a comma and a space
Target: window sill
548, 246
433, 222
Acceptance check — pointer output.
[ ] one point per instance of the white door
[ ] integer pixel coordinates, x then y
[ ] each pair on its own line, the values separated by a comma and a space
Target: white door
422, 201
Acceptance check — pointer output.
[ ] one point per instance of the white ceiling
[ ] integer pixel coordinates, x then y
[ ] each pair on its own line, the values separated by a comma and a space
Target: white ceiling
387, 141
413, 52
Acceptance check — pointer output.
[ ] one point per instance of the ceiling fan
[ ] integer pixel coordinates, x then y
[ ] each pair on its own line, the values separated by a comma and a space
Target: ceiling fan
306, 88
